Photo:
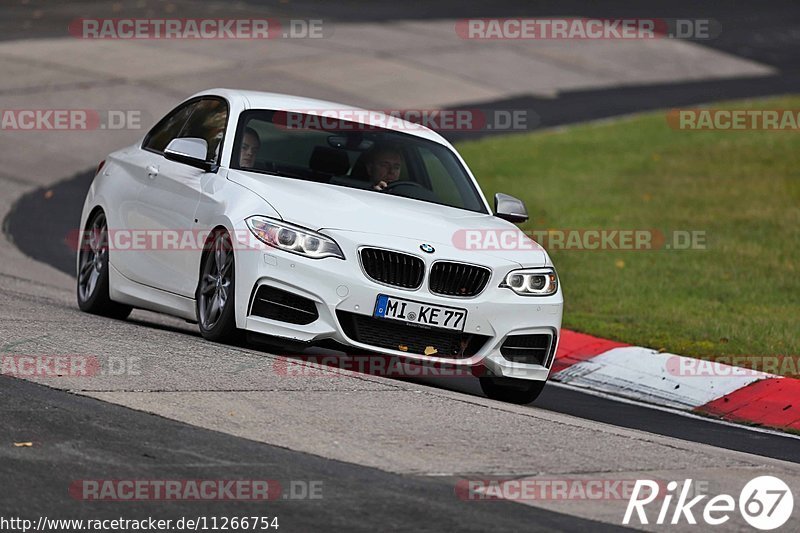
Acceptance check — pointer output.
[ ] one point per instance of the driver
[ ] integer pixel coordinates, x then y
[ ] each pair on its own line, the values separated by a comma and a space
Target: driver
384, 166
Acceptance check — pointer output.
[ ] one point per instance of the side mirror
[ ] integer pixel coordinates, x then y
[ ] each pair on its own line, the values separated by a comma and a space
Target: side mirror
190, 151
509, 208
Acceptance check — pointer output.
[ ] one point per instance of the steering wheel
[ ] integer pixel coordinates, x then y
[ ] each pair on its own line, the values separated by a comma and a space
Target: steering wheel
398, 184
411, 189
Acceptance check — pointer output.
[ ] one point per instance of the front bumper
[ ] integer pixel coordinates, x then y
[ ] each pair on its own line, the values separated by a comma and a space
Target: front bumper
340, 285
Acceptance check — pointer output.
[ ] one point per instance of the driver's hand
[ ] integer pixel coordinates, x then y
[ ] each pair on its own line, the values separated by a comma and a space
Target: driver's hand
381, 185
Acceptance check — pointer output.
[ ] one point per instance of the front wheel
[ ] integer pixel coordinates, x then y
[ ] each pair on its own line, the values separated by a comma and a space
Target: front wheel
216, 314
92, 285
512, 390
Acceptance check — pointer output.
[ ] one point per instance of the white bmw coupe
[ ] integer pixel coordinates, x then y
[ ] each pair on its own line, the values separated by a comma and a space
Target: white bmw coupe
307, 222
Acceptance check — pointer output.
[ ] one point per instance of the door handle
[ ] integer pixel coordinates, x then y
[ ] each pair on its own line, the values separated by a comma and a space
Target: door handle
152, 171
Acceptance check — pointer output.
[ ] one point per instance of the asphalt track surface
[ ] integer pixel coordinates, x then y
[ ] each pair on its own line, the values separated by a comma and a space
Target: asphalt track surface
123, 443
35, 216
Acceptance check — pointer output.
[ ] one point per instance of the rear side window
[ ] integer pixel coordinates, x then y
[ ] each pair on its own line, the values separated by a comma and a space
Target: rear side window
204, 118
207, 121
169, 128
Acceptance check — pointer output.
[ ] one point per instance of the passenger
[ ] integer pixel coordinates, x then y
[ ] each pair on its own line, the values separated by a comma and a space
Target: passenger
250, 146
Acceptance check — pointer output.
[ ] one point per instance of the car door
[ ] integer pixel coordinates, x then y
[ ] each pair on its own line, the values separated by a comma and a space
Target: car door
130, 170
167, 203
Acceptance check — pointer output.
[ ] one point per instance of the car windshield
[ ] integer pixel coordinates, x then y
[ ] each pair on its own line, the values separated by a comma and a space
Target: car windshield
349, 154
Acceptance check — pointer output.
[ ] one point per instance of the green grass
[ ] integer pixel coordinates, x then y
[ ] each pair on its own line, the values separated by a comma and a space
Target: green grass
739, 296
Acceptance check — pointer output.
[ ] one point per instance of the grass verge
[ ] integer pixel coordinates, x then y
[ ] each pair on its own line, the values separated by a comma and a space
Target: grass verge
741, 189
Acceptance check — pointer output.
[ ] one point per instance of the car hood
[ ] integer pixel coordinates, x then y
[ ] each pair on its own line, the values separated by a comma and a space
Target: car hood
321, 206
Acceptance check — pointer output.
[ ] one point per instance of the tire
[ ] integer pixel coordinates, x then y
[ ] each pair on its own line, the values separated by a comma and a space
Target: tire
92, 282
215, 302
512, 390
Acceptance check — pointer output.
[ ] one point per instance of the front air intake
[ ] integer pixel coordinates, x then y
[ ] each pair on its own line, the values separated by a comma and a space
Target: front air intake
277, 304
528, 349
393, 335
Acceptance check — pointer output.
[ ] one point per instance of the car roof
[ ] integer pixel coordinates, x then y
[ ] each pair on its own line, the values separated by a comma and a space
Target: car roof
312, 106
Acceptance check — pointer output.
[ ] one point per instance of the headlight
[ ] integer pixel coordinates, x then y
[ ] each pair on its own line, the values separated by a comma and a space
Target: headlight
293, 239
532, 281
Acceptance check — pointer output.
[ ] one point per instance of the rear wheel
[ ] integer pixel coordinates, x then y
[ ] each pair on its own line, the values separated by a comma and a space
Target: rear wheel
512, 390
216, 314
92, 284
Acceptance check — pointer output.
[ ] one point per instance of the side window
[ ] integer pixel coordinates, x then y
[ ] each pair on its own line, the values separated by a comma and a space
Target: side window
169, 128
207, 121
278, 148
441, 181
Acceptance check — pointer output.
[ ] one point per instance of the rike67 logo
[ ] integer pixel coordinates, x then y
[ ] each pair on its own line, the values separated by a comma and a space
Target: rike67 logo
765, 503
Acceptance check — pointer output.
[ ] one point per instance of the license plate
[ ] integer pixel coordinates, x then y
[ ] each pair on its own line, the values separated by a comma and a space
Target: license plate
418, 313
